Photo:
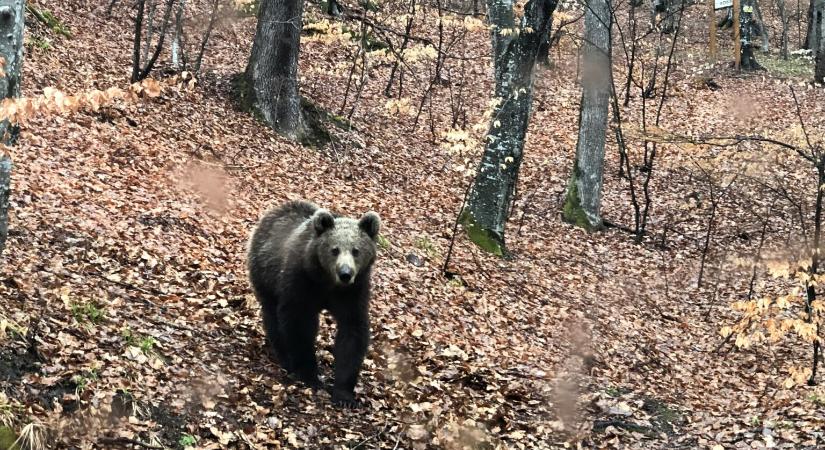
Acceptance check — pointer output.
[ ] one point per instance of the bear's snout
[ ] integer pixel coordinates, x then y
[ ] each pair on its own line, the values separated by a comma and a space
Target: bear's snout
345, 273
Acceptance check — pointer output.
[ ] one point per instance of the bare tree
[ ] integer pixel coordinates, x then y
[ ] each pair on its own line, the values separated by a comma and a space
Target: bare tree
819, 46
815, 13
515, 51
177, 40
213, 17
748, 29
584, 190
142, 65
785, 20
270, 83
11, 50
181, 57
761, 28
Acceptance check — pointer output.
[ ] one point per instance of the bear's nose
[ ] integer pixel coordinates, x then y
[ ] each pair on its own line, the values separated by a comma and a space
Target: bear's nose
345, 274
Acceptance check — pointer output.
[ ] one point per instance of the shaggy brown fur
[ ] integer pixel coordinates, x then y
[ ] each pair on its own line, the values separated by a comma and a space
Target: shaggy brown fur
301, 260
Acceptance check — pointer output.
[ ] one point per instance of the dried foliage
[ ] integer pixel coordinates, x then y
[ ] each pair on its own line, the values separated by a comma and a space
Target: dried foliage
126, 320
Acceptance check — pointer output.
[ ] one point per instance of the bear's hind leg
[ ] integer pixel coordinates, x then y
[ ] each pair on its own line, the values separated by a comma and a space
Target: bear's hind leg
297, 333
351, 342
270, 318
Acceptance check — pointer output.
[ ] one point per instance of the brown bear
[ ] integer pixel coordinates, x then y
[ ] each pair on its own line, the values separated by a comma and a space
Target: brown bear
303, 259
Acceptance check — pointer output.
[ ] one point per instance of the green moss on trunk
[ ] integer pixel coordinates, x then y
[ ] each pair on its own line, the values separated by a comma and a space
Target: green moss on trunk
486, 239
573, 212
49, 19
244, 94
315, 134
8, 438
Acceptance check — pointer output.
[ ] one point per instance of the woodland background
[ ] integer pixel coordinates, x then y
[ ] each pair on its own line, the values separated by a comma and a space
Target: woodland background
127, 320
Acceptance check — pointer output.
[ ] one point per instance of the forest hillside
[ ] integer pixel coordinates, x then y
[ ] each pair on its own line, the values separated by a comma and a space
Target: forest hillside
127, 319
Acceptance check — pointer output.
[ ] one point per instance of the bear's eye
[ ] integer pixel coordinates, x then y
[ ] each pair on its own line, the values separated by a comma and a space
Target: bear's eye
336, 251
355, 252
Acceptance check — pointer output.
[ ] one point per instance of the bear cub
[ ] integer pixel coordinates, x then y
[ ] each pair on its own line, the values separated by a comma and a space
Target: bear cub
303, 259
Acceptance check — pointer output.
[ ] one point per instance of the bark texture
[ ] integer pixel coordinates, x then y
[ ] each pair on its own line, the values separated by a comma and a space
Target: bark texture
5, 192
784, 19
665, 8
515, 50
748, 31
270, 85
815, 16
142, 66
177, 40
584, 190
11, 50
819, 48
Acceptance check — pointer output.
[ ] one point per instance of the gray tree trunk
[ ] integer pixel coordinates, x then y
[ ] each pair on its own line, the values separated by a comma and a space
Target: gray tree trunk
763, 28
11, 49
747, 30
666, 9
177, 40
584, 190
270, 85
814, 22
819, 49
141, 67
5, 193
515, 50
785, 20
150, 30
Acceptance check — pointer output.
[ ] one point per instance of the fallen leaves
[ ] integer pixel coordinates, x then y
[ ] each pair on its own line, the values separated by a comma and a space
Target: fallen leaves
139, 199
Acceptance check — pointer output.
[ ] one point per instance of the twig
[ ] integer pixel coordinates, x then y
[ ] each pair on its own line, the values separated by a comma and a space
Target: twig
150, 291
801, 122
455, 229
609, 224
122, 441
374, 436
758, 255
212, 18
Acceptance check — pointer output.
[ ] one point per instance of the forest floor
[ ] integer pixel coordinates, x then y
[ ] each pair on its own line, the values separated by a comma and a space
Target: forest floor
127, 320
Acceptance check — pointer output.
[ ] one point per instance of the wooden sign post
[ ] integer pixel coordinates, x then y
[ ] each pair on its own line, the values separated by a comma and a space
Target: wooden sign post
737, 39
716, 5
712, 21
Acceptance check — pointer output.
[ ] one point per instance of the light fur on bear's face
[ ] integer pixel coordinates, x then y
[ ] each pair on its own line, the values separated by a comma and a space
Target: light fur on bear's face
345, 247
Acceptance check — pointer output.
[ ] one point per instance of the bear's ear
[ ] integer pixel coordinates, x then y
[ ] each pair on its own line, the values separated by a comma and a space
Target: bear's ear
322, 221
370, 223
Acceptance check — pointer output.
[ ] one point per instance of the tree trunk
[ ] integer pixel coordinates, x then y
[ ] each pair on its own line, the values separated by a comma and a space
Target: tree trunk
584, 190
666, 9
141, 67
150, 30
270, 86
814, 24
213, 17
514, 59
763, 29
11, 50
545, 44
141, 8
5, 193
177, 41
785, 20
819, 69
747, 30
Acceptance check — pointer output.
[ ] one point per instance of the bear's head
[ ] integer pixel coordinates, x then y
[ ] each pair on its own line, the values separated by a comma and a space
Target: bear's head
345, 247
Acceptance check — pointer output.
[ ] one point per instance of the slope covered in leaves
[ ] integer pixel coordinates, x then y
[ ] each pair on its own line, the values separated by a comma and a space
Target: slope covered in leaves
127, 316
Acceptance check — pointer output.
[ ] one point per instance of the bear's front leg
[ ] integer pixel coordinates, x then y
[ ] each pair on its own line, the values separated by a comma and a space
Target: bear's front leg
298, 330
351, 342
